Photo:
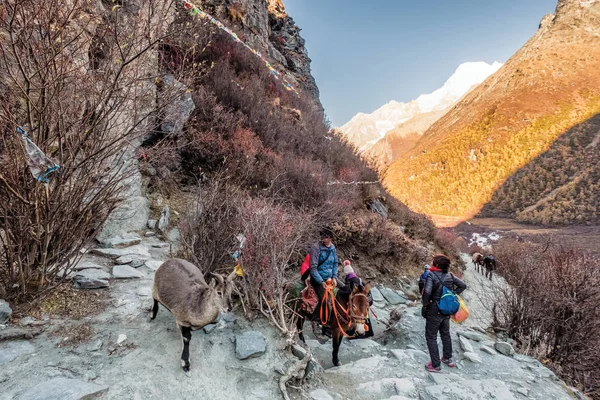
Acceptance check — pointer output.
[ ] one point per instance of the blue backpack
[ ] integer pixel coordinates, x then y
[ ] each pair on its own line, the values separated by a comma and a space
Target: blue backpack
448, 304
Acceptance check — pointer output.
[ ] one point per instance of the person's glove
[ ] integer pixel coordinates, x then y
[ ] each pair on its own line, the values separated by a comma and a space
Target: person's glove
424, 312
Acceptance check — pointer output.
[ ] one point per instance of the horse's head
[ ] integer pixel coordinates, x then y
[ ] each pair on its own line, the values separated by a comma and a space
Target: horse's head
358, 307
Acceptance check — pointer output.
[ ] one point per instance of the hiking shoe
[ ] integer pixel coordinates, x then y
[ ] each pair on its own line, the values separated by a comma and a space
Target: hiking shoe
449, 362
430, 368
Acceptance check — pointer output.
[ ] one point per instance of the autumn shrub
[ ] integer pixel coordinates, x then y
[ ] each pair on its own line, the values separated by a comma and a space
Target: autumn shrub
551, 308
273, 234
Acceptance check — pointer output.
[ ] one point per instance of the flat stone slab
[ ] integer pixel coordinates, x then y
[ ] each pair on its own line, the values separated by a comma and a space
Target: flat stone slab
5, 311
465, 345
377, 296
153, 264
469, 390
139, 251
392, 297
126, 272
473, 357
64, 389
474, 336
86, 265
123, 260
91, 279
320, 394
250, 344
121, 242
9, 351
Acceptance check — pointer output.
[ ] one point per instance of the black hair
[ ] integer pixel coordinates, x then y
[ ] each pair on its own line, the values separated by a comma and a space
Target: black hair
326, 233
442, 262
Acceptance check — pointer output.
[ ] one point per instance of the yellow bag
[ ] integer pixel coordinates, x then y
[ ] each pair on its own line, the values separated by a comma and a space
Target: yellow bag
463, 312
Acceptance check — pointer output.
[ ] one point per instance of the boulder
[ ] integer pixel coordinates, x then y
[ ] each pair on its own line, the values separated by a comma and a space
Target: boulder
149, 234
250, 344
392, 297
29, 321
209, 328
473, 357
178, 109
126, 272
64, 389
9, 351
377, 296
121, 242
91, 279
5, 311
173, 235
465, 344
504, 348
95, 345
152, 223
523, 391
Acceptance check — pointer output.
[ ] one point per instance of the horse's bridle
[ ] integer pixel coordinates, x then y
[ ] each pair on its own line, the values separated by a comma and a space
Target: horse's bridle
355, 318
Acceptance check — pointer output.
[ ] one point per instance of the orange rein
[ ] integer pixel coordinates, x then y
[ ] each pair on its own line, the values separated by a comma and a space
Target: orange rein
325, 309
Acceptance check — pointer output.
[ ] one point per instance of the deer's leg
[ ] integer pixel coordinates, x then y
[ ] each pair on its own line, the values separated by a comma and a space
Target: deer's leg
186, 336
154, 310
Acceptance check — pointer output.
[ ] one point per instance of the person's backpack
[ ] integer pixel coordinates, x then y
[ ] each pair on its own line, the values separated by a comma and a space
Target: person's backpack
448, 303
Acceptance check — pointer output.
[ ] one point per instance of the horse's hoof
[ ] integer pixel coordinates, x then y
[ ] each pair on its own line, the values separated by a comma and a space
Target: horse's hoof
337, 363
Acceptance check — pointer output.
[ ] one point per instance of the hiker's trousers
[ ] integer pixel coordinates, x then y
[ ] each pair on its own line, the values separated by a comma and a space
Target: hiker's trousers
488, 273
435, 323
320, 290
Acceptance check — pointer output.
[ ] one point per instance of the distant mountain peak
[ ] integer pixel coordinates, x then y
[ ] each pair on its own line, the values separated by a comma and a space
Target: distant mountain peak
364, 130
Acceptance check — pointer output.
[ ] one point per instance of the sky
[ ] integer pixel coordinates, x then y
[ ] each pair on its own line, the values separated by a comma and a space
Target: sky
366, 53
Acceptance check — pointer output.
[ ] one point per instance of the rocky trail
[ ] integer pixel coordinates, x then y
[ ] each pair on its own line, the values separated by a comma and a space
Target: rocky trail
123, 356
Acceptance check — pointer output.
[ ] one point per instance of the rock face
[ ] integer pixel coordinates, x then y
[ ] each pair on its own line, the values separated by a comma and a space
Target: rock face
250, 344
64, 389
9, 351
5, 311
504, 348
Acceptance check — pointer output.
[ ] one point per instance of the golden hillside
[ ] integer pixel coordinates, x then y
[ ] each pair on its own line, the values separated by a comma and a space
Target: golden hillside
550, 85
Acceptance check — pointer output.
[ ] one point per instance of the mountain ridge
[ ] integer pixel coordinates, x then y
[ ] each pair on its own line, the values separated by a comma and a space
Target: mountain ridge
366, 130
546, 88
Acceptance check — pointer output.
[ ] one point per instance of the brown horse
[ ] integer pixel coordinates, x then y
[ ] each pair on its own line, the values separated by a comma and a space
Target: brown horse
348, 314
478, 261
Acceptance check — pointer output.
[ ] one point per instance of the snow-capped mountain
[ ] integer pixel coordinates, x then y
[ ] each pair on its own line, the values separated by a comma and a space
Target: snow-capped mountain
364, 130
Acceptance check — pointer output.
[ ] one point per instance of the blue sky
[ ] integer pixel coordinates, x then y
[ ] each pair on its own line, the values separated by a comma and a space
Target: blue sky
368, 52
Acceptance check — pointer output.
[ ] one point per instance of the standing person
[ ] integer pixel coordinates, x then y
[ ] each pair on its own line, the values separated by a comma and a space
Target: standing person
351, 281
323, 266
423, 279
490, 265
438, 278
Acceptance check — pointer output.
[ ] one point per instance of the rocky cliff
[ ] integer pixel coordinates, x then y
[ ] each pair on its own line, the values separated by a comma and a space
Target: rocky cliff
549, 86
268, 28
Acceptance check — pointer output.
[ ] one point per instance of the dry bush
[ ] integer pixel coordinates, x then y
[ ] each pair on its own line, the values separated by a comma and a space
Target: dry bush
551, 308
75, 75
274, 234
208, 231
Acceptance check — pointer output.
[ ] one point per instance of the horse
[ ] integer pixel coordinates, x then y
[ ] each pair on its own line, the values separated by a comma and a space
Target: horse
478, 261
343, 313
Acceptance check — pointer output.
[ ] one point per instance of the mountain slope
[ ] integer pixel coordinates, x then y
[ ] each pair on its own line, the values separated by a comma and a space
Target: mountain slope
547, 87
364, 130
